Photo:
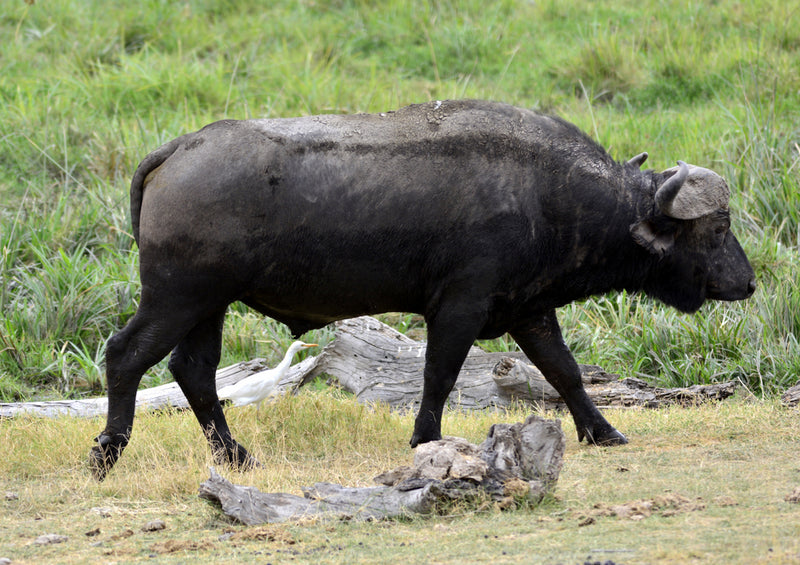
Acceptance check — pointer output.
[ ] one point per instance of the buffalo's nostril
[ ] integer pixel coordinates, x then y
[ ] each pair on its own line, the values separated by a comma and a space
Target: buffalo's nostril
751, 287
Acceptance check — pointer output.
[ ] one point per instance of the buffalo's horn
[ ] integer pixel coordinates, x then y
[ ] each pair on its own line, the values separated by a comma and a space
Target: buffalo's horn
639, 160
668, 191
691, 192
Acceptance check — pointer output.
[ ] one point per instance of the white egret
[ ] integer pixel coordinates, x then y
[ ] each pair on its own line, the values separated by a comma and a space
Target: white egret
259, 386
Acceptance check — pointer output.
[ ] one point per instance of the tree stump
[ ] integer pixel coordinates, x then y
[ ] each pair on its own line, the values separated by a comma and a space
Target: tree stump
516, 463
792, 396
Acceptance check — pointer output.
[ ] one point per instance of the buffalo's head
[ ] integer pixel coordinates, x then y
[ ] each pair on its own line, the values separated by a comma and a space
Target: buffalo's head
698, 257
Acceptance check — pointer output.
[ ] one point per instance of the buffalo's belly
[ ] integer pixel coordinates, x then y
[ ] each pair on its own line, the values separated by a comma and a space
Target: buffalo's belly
324, 295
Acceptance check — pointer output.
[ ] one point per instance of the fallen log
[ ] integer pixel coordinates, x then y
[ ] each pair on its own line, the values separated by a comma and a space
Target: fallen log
156, 398
519, 462
379, 364
520, 380
792, 396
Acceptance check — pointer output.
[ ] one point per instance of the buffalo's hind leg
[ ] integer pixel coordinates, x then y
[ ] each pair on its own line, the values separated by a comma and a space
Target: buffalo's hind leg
129, 353
193, 364
542, 342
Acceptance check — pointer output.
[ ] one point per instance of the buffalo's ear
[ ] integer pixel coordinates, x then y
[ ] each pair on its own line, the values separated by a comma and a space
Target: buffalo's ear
656, 237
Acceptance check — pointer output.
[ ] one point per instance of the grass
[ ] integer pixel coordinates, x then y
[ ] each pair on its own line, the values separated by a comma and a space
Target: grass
727, 469
87, 89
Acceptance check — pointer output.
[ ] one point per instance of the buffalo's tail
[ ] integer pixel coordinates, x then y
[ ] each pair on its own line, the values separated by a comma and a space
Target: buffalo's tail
147, 166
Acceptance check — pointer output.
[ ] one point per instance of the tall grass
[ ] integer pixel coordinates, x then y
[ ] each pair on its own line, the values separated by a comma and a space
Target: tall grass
87, 89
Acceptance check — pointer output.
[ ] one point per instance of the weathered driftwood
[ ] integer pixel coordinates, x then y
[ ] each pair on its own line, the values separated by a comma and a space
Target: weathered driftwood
515, 462
155, 398
792, 396
520, 380
378, 364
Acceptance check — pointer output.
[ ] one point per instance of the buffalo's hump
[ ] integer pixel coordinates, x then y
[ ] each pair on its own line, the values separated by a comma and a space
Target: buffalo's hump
452, 161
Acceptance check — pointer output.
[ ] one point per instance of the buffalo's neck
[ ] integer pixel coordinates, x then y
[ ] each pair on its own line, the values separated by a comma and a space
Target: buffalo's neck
587, 248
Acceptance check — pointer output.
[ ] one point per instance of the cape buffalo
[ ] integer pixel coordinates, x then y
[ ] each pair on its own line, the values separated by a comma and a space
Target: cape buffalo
480, 216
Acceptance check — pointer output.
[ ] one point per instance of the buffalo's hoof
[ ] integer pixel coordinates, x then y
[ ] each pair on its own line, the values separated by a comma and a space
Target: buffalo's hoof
426, 428
103, 455
99, 463
418, 439
603, 437
615, 438
236, 458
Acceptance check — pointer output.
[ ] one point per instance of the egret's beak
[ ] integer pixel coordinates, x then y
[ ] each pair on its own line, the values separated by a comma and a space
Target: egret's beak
309, 345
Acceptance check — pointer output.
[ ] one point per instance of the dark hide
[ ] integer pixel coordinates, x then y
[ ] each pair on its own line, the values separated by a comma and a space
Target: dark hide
482, 217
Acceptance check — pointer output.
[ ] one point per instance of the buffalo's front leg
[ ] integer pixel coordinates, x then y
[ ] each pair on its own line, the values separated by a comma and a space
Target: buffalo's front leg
193, 363
542, 342
450, 335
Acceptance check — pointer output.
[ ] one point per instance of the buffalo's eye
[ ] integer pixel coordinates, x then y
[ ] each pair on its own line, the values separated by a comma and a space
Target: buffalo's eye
720, 232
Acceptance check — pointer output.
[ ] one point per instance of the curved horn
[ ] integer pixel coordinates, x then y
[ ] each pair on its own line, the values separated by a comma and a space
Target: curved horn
692, 192
665, 196
639, 160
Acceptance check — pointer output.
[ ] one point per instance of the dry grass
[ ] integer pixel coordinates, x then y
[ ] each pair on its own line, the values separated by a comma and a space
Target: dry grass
705, 484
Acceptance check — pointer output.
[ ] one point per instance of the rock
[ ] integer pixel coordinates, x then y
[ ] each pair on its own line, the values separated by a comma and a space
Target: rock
154, 526
48, 539
102, 511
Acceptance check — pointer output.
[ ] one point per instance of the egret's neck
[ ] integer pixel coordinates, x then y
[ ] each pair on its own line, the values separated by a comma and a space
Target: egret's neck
287, 359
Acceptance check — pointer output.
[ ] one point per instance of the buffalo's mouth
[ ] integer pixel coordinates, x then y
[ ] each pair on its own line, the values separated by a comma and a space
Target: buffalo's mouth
742, 291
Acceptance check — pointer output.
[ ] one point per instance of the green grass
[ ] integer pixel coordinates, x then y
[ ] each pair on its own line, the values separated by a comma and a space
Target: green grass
88, 88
